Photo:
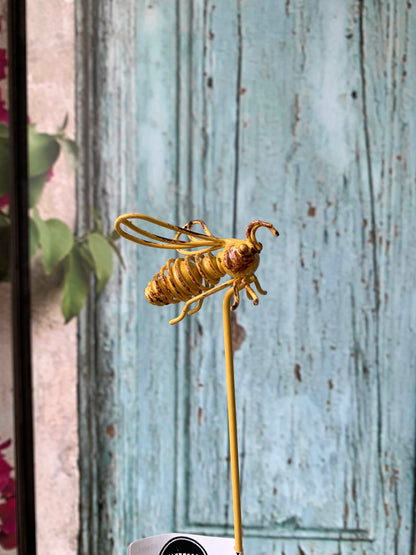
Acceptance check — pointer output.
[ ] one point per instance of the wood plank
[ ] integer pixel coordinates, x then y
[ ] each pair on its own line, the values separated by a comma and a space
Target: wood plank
300, 115
126, 379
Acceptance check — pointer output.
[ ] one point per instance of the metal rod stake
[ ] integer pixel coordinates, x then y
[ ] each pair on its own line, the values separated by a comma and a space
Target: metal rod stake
232, 420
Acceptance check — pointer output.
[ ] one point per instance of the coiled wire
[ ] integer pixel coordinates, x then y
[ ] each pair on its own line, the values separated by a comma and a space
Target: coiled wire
181, 279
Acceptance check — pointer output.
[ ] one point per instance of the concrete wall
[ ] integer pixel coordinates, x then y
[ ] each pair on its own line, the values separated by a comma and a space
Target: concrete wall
51, 96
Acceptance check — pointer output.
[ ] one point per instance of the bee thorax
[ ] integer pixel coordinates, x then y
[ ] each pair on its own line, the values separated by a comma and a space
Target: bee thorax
237, 263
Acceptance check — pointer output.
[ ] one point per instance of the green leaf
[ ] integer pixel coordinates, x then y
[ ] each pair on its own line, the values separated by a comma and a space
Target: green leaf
76, 285
4, 220
43, 237
70, 150
61, 240
33, 238
43, 152
103, 258
63, 125
114, 235
4, 166
36, 185
56, 241
85, 252
97, 220
4, 130
116, 250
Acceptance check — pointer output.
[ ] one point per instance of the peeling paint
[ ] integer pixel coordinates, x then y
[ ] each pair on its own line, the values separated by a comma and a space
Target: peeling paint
110, 431
297, 372
238, 332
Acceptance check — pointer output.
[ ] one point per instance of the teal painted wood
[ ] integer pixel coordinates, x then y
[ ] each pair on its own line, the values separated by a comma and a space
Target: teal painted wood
301, 115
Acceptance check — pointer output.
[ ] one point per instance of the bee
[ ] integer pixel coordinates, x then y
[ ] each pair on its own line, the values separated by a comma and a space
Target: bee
196, 276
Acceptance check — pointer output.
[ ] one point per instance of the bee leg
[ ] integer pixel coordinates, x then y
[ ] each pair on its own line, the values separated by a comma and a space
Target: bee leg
198, 307
198, 298
257, 284
250, 293
236, 300
184, 311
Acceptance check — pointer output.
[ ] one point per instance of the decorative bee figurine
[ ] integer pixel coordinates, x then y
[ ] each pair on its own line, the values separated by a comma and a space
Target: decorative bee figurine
195, 277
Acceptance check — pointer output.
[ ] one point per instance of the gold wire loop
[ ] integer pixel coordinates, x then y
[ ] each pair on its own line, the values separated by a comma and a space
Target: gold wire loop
160, 242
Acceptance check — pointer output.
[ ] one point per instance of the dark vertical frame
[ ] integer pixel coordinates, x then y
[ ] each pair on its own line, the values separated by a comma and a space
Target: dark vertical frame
20, 278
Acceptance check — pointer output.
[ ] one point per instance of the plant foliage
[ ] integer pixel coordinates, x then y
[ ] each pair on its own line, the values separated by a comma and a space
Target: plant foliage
80, 257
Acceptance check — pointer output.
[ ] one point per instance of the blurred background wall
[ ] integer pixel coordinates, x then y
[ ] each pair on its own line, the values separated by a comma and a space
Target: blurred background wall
296, 112
50, 29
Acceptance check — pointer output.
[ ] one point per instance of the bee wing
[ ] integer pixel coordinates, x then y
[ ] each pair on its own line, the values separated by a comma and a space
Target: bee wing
195, 240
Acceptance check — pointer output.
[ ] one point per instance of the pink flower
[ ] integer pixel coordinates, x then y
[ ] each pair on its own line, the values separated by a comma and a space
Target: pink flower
3, 63
9, 491
5, 468
4, 201
4, 112
8, 516
8, 538
49, 175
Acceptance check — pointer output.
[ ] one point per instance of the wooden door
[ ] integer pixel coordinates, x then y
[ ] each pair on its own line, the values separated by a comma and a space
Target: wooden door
302, 114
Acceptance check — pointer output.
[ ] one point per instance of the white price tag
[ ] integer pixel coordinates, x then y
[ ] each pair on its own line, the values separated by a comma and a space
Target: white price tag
182, 544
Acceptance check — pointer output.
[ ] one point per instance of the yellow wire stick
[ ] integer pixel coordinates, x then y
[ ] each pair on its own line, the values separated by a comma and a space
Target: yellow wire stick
232, 421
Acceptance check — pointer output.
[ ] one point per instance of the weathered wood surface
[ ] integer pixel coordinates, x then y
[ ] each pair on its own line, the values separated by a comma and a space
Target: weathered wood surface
300, 113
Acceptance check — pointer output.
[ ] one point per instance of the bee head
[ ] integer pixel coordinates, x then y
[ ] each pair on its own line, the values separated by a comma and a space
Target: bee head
246, 250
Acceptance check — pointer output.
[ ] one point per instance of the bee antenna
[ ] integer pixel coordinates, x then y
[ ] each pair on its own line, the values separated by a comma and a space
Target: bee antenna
251, 232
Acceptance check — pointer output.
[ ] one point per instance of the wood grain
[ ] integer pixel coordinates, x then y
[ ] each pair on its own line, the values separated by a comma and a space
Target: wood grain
300, 114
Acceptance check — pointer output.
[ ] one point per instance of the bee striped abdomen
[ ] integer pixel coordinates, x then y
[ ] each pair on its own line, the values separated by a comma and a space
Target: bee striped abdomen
183, 278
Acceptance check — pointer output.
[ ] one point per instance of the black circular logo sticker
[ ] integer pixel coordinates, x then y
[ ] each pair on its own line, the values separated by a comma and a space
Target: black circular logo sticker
183, 546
